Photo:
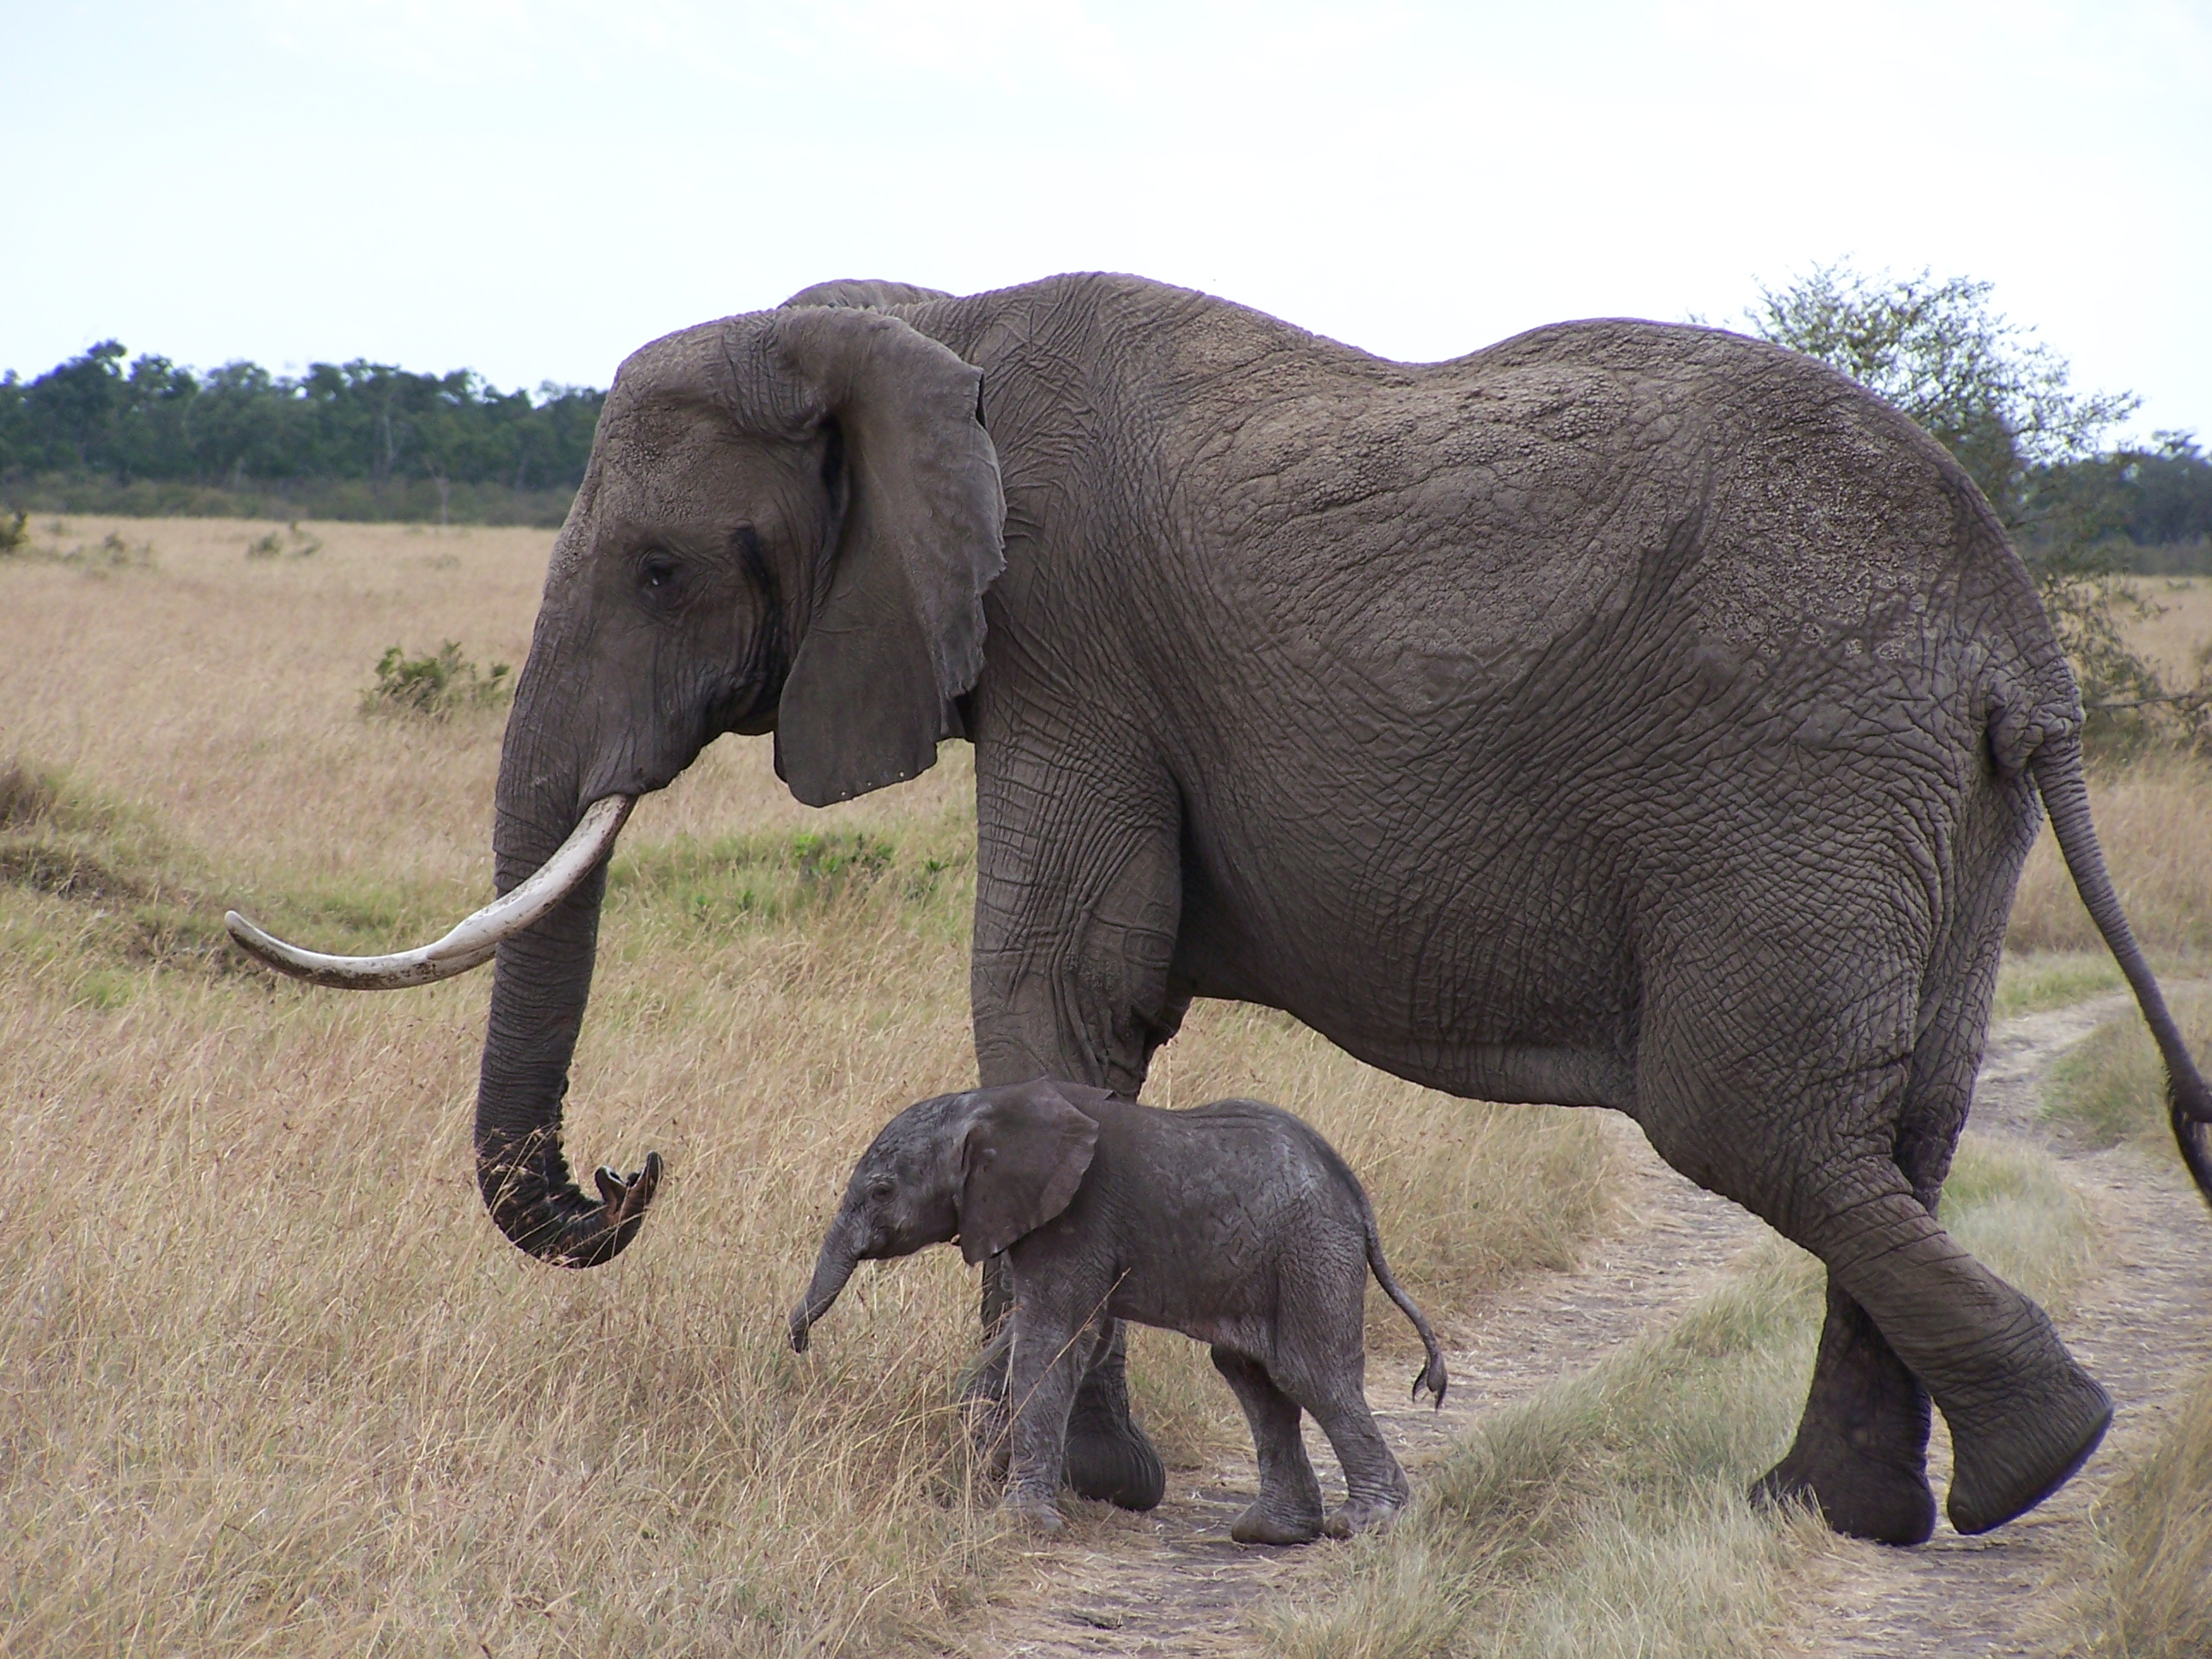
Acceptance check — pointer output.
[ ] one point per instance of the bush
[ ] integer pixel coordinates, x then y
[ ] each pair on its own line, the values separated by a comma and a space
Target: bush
434, 686
274, 546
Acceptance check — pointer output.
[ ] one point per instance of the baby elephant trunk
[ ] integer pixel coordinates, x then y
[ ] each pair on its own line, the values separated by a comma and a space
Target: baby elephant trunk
831, 1269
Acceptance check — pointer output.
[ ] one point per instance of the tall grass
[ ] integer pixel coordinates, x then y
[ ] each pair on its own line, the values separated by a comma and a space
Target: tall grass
1605, 1516
2154, 820
2144, 1585
269, 1381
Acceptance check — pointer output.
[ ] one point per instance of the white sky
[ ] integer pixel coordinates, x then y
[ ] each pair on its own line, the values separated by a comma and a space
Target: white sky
532, 188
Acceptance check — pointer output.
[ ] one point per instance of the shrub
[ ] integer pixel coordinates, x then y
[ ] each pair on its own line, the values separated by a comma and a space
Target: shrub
273, 545
14, 537
434, 686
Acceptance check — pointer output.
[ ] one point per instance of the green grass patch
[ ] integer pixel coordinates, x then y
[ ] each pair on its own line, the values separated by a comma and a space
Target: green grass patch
1605, 1516
735, 879
2033, 984
2111, 1089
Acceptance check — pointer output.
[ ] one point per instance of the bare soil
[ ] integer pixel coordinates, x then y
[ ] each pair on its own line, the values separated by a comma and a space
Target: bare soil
1172, 1582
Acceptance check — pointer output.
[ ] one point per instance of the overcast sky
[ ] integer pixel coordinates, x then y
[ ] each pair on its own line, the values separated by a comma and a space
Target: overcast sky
532, 188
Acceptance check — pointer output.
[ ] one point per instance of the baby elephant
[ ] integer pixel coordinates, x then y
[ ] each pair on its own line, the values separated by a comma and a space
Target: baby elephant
1234, 1223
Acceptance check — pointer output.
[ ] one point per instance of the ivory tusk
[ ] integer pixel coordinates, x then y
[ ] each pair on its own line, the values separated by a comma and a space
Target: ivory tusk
469, 945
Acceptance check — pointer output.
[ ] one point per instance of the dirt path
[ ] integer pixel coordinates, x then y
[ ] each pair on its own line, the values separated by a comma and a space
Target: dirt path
1171, 1582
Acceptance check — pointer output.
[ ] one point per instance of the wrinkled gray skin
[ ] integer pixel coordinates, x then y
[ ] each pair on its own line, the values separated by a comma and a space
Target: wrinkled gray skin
1235, 1224
1622, 715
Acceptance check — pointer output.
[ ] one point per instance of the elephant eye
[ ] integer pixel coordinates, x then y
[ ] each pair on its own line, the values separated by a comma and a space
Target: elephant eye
657, 572
880, 1187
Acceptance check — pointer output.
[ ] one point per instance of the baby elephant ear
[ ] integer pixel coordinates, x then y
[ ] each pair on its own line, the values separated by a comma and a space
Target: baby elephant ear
1022, 1158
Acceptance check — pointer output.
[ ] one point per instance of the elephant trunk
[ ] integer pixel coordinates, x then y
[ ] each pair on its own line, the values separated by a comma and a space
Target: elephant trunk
540, 986
840, 1253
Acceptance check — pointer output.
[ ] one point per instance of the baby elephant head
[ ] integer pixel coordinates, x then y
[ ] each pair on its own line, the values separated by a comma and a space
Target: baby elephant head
986, 1166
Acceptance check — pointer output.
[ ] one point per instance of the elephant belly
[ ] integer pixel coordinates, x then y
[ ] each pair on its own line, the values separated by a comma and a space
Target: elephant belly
1464, 996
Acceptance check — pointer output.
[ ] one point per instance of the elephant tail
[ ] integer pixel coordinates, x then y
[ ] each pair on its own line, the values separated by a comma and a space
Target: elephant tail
2057, 767
1431, 1376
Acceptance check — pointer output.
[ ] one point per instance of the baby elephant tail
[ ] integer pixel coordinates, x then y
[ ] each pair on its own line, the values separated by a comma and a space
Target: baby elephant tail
1431, 1376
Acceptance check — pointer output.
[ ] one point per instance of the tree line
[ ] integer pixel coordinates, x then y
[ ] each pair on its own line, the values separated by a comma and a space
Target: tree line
101, 421
363, 440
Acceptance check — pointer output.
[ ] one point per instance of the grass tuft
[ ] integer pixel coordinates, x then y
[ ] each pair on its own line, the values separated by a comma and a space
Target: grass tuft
291, 543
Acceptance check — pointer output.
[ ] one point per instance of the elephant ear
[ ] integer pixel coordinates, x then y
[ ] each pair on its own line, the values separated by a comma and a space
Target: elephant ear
1024, 1154
898, 633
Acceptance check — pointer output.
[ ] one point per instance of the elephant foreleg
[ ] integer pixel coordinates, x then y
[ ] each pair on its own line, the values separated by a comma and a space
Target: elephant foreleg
1074, 933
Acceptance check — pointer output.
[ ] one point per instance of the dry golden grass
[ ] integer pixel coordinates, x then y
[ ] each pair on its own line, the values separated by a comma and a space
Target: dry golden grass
2144, 1585
2154, 817
271, 1383
2154, 820
2176, 637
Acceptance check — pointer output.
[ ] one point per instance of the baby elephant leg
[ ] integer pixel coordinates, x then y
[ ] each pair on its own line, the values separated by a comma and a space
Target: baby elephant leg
1375, 1487
1288, 1508
1050, 1352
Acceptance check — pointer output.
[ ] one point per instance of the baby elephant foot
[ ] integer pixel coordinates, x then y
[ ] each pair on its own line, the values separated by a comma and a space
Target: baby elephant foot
1360, 1517
1267, 1523
1032, 1514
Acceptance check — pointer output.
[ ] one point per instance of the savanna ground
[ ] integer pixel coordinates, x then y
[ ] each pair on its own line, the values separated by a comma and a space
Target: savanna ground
269, 1381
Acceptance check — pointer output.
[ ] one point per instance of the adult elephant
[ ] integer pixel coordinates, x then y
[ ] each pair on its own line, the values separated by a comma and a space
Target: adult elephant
1622, 715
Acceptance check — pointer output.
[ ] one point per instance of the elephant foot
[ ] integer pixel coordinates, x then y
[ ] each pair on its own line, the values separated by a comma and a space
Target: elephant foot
1352, 1518
1114, 1461
2003, 1465
1858, 1499
1266, 1522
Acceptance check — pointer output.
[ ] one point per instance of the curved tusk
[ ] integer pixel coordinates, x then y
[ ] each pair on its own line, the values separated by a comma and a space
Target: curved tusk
469, 945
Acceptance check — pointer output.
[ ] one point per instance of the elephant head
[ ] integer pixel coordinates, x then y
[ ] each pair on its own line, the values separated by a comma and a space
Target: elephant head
787, 524
985, 1167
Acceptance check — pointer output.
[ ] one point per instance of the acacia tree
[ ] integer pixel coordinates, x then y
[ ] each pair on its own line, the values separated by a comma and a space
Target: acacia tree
2001, 402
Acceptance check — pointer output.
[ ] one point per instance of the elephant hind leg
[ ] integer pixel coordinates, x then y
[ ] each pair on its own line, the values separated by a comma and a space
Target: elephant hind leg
1860, 1454
2023, 1413
1908, 1309
1288, 1509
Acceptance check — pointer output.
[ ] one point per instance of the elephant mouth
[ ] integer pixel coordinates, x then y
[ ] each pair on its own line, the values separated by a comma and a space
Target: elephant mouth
469, 945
